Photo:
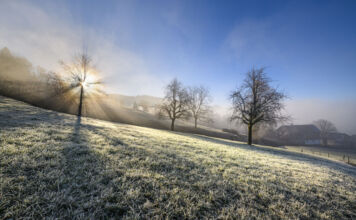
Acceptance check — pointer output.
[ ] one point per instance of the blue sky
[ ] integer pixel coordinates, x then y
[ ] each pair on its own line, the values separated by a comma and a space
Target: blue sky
308, 47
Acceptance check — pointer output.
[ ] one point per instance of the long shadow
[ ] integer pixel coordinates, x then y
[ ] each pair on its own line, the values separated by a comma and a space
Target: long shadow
127, 116
81, 191
78, 192
183, 173
84, 172
290, 155
89, 175
80, 175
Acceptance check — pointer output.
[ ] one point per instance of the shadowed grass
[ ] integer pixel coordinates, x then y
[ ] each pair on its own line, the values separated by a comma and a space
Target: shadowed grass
55, 166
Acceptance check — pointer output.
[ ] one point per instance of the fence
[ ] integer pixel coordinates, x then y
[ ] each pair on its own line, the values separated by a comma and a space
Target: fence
349, 158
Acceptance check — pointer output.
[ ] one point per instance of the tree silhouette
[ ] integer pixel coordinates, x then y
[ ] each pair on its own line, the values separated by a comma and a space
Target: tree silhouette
175, 103
325, 127
79, 71
256, 102
199, 98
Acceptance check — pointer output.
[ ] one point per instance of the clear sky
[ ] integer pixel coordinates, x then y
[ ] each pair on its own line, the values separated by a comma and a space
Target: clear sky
308, 47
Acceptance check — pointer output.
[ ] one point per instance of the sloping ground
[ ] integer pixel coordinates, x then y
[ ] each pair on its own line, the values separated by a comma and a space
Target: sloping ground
108, 109
56, 166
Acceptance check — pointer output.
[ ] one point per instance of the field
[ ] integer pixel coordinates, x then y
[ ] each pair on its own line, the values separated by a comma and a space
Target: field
347, 155
54, 165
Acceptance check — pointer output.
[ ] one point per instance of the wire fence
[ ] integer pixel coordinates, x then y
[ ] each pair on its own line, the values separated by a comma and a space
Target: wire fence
349, 158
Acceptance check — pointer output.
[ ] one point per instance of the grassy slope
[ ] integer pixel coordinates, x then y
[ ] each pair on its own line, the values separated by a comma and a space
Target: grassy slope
52, 165
346, 154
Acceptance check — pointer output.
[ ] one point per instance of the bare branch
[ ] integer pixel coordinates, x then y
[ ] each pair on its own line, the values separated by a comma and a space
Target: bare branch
199, 103
257, 102
326, 128
175, 103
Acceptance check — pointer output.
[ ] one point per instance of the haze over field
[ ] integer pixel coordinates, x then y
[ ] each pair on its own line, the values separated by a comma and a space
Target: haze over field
307, 47
180, 109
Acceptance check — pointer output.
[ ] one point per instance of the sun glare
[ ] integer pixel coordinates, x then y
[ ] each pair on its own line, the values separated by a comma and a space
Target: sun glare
90, 84
85, 84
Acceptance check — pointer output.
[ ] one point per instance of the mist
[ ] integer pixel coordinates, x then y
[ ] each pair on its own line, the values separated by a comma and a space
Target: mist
339, 112
180, 109
46, 33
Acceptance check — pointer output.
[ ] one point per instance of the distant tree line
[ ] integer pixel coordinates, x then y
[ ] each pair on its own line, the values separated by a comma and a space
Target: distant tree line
21, 81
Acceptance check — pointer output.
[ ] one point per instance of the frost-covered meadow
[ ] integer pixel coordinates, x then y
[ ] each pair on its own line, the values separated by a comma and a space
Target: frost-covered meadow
53, 165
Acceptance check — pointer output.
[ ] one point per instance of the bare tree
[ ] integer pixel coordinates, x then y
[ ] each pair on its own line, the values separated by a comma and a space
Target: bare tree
78, 70
199, 104
176, 102
325, 127
256, 102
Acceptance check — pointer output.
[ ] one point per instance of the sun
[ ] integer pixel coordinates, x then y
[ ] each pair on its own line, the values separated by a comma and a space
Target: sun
89, 80
85, 84
91, 84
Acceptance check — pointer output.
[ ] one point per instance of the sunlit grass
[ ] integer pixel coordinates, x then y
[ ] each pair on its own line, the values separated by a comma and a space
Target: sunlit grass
53, 165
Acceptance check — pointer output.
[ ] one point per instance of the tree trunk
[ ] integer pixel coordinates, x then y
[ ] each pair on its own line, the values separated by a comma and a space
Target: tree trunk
172, 125
249, 135
195, 122
325, 141
80, 101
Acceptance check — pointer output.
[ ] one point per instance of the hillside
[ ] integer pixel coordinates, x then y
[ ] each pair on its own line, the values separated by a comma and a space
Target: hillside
56, 166
130, 100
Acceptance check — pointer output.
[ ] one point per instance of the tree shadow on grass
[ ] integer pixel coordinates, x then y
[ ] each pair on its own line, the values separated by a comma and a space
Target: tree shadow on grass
85, 177
92, 188
84, 184
72, 180
65, 179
